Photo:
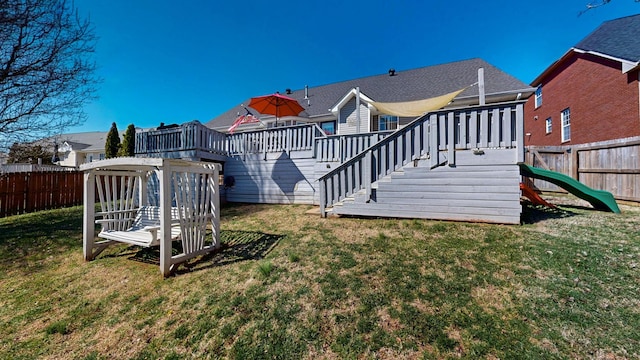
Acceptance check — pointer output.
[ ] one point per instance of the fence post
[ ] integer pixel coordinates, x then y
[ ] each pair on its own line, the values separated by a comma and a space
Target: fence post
574, 163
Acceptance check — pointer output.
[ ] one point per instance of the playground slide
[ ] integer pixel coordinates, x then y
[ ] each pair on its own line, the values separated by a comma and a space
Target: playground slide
533, 196
600, 199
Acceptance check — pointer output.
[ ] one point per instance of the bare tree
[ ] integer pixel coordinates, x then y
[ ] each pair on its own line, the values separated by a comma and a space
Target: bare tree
595, 5
46, 71
29, 154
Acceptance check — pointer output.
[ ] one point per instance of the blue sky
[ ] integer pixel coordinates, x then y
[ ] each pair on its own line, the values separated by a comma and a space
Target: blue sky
173, 62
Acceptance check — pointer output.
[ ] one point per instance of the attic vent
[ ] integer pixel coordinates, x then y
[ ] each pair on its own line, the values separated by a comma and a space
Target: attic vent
288, 91
392, 72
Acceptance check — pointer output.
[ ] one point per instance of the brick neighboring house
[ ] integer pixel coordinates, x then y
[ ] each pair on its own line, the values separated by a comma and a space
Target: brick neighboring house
592, 93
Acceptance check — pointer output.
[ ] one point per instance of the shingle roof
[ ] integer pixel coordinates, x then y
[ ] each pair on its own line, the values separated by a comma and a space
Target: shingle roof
617, 38
407, 85
87, 141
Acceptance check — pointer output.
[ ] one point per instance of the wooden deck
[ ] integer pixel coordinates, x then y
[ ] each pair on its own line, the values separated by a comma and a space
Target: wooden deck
458, 164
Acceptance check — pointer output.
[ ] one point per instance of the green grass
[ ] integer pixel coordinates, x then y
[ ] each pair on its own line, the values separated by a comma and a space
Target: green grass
290, 285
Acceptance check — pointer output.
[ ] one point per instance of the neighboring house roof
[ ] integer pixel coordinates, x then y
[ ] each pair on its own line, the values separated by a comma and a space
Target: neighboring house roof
617, 38
614, 39
86, 141
407, 85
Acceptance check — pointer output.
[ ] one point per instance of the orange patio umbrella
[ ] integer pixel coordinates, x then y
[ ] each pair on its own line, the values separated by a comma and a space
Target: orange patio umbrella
277, 105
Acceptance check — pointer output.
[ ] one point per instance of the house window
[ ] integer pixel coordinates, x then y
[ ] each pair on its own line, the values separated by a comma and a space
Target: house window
565, 118
329, 127
548, 125
102, 156
539, 96
387, 122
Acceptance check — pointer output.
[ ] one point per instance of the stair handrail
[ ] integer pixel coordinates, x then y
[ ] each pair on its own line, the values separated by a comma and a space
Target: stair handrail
363, 179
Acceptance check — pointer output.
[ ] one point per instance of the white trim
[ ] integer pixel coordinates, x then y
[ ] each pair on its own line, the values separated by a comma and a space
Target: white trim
548, 125
65, 147
351, 94
626, 64
563, 126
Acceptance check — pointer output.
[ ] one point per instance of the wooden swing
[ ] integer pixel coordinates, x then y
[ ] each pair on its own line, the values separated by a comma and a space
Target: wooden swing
151, 201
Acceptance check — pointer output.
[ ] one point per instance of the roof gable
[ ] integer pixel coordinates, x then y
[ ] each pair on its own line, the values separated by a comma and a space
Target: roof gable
348, 96
617, 38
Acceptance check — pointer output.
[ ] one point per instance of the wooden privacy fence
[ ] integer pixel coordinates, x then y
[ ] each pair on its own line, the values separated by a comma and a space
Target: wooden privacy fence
35, 191
612, 165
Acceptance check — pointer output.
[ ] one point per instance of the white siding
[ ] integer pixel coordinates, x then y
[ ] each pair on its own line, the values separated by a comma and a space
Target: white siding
347, 118
280, 179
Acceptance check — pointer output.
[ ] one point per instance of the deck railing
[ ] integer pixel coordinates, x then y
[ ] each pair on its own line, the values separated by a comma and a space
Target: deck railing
190, 136
287, 139
343, 147
435, 136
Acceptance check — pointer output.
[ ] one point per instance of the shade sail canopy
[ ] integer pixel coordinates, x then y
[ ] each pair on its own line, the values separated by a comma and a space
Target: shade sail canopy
417, 107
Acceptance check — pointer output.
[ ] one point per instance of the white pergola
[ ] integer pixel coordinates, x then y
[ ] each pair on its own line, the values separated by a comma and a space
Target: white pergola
149, 202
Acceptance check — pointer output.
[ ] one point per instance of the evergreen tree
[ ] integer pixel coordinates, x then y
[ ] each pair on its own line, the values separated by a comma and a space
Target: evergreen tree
112, 144
128, 146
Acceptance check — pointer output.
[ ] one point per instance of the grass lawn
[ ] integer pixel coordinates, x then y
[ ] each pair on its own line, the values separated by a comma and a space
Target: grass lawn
292, 285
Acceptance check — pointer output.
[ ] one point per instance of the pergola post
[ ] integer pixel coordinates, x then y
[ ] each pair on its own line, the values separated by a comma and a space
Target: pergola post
164, 176
88, 233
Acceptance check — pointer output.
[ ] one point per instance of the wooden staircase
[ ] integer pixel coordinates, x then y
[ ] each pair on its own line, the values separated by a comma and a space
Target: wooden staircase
437, 167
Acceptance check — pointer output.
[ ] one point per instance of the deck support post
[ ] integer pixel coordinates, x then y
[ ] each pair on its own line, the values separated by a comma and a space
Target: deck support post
323, 198
520, 132
366, 174
451, 140
433, 141
481, 91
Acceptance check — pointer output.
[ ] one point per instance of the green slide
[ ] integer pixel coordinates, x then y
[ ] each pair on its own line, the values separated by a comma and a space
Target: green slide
600, 199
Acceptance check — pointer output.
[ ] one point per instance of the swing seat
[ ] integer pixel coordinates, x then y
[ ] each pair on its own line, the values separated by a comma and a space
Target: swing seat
145, 227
